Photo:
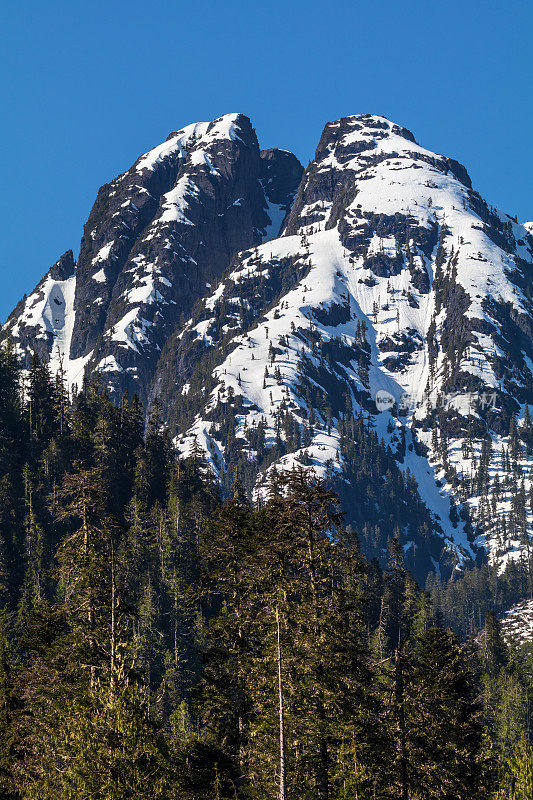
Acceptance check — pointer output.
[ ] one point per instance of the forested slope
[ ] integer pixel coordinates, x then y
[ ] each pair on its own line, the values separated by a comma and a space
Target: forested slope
161, 640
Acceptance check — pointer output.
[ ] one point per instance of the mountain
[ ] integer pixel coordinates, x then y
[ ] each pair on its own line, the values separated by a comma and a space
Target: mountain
156, 237
267, 311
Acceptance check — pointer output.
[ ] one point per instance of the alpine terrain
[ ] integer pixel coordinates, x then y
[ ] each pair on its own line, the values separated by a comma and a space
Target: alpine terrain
264, 309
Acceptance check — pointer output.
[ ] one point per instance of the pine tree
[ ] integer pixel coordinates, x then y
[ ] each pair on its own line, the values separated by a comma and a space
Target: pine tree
308, 593
41, 404
84, 566
224, 550
86, 717
101, 744
14, 452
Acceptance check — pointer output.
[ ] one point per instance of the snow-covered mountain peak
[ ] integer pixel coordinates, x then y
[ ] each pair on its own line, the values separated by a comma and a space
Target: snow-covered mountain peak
199, 135
157, 236
364, 131
368, 162
268, 310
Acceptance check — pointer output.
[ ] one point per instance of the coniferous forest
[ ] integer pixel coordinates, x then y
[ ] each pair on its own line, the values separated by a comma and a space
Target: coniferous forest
161, 640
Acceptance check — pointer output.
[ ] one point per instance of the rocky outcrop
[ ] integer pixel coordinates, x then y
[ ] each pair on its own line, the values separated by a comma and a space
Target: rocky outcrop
40, 321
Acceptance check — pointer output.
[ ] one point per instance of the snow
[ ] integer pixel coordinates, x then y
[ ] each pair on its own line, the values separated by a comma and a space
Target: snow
325, 284
175, 202
190, 144
200, 158
212, 300
202, 133
73, 368
99, 276
392, 175
436, 498
50, 310
276, 214
104, 252
517, 622
108, 364
130, 331
148, 286
178, 143
201, 330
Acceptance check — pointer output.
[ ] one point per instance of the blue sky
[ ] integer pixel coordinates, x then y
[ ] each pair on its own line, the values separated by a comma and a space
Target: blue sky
87, 87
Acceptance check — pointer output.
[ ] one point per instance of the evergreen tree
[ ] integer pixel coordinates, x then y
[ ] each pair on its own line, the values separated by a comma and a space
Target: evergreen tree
445, 739
159, 639
225, 549
309, 582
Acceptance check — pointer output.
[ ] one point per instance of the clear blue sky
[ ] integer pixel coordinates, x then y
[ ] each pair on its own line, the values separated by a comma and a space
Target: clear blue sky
86, 87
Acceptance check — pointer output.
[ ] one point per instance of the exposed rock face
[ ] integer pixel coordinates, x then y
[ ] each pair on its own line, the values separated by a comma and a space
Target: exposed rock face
280, 177
156, 238
266, 308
